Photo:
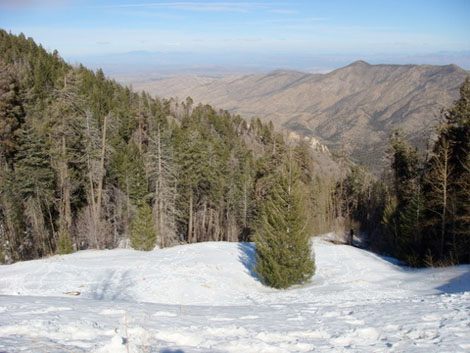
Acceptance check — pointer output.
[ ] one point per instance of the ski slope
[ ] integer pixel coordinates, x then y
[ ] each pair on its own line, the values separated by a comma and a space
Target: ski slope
205, 298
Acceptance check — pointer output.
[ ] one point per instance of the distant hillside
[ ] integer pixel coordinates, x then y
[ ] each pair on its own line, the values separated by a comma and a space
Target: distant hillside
354, 108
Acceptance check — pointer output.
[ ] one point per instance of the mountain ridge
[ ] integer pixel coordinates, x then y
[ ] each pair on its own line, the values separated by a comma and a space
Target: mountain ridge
338, 108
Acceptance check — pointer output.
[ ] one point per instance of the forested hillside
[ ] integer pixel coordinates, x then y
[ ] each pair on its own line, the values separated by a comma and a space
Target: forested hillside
88, 163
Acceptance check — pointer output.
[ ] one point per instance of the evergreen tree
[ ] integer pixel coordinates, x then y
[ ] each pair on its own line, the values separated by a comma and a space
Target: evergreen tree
64, 243
439, 179
12, 227
36, 184
446, 189
457, 132
143, 233
411, 221
238, 194
160, 170
283, 251
457, 129
463, 230
128, 165
11, 115
405, 166
403, 216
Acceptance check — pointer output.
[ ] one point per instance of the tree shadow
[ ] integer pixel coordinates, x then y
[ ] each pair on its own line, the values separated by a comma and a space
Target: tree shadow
114, 288
458, 284
247, 258
167, 350
362, 241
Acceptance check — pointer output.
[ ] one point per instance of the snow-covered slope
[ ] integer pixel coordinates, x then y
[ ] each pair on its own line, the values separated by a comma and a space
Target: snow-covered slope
205, 298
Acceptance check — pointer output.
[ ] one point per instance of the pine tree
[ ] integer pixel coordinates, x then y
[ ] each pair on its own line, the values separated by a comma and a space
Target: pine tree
12, 227
457, 132
411, 220
64, 243
160, 170
36, 184
404, 165
195, 178
128, 165
64, 125
457, 129
11, 115
143, 233
439, 183
403, 215
463, 230
283, 251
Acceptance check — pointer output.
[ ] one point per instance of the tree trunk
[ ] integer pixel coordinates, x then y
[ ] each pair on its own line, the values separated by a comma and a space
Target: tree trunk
444, 198
204, 227
101, 177
65, 211
158, 191
245, 204
190, 221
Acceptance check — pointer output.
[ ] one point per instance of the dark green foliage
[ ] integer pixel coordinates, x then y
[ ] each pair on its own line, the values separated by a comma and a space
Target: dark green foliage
11, 114
426, 205
283, 250
128, 166
407, 222
64, 243
143, 233
457, 131
34, 174
35, 183
79, 153
445, 185
12, 225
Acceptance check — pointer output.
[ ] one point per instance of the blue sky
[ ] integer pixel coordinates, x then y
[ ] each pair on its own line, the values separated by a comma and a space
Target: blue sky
289, 28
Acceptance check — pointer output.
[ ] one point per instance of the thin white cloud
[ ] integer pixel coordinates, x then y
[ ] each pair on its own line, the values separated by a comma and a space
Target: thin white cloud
196, 6
172, 44
282, 11
28, 4
243, 40
296, 20
341, 29
140, 12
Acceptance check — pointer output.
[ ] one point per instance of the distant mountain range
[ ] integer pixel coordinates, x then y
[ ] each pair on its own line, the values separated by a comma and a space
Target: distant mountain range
354, 108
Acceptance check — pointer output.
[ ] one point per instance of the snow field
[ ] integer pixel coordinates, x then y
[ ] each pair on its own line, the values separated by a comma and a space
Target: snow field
204, 298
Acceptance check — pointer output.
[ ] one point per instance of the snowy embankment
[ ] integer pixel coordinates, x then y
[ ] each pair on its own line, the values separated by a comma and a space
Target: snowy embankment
205, 298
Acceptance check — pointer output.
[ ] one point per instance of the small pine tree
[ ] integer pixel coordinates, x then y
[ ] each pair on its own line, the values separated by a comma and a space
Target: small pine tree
64, 243
283, 251
143, 233
411, 220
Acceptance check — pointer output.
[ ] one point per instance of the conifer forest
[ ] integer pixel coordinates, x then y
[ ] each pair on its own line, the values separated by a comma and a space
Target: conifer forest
87, 163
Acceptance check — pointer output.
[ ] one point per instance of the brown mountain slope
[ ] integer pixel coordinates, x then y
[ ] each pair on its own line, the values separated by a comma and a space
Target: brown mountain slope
354, 108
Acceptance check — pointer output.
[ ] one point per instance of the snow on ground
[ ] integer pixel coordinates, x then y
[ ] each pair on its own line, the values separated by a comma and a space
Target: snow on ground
205, 298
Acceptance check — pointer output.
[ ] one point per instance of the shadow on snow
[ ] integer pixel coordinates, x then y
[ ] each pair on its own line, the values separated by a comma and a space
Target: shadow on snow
457, 284
247, 258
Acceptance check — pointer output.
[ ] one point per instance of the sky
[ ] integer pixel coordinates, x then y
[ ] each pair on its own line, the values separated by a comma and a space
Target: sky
240, 33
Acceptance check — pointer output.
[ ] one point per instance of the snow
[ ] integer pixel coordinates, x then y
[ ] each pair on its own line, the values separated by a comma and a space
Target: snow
205, 298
